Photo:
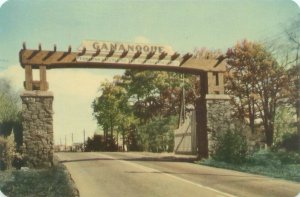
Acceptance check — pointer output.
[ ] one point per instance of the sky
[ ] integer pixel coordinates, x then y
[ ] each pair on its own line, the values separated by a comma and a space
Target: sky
182, 24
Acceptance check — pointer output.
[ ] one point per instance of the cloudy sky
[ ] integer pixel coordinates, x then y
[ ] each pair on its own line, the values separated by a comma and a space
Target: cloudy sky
184, 25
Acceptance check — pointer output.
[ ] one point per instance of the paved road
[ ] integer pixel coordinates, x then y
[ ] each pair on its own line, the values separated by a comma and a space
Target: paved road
145, 174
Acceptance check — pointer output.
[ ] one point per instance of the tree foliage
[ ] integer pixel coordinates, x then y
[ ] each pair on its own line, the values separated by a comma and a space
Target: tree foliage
142, 107
157, 135
109, 110
7, 151
257, 83
231, 146
286, 49
96, 143
293, 35
9, 108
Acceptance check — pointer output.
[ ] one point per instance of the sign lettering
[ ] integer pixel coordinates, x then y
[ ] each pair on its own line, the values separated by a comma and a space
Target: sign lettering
92, 46
117, 60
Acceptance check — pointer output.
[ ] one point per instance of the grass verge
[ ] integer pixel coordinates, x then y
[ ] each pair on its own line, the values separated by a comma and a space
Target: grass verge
283, 171
55, 181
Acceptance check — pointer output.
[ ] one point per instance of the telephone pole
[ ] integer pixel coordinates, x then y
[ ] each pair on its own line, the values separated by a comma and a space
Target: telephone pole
83, 138
65, 142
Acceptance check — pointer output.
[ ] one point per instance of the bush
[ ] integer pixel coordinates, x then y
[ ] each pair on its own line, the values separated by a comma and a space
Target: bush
288, 157
230, 147
290, 142
96, 143
7, 152
55, 181
264, 158
158, 134
273, 158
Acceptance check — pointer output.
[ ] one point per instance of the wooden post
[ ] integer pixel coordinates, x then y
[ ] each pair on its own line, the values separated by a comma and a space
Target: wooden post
221, 82
215, 83
210, 82
43, 79
28, 77
201, 118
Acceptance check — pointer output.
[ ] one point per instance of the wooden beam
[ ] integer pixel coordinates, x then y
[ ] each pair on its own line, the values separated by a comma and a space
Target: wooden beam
175, 56
43, 78
124, 54
28, 77
24, 46
136, 55
82, 52
185, 58
68, 59
215, 83
96, 53
162, 55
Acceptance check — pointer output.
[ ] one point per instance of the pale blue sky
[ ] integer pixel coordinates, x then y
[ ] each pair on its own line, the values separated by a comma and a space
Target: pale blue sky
184, 25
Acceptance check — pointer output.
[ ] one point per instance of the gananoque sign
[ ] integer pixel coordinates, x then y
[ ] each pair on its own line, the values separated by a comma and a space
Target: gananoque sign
120, 47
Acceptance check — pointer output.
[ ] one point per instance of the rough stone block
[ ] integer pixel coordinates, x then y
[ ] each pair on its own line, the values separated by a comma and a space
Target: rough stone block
37, 128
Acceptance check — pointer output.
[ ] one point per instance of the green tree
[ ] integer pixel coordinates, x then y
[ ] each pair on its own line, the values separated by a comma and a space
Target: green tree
286, 49
284, 123
155, 93
7, 151
158, 134
109, 109
9, 107
231, 146
131, 104
96, 143
293, 35
257, 82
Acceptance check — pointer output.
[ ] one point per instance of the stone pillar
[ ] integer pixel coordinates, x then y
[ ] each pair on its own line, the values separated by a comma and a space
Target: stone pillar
219, 116
37, 125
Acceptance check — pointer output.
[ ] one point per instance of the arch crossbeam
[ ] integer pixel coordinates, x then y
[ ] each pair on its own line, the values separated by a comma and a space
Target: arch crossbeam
113, 59
159, 61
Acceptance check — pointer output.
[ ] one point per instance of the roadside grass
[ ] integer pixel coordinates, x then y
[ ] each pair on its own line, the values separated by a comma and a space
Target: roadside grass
277, 165
55, 181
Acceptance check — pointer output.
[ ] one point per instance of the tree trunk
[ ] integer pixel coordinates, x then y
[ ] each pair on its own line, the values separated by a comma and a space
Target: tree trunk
297, 104
252, 123
269, 137
298, 120
201, 119
118, 141
105, 138
269, 134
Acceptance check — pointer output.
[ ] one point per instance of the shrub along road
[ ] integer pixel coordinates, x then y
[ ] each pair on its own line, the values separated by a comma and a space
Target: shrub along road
146, 174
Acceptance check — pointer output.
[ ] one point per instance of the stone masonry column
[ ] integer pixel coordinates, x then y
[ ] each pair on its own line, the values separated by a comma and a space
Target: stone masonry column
37, 125
219, 116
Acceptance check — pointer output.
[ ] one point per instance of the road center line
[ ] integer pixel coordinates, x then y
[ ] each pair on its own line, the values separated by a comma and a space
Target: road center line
148, 169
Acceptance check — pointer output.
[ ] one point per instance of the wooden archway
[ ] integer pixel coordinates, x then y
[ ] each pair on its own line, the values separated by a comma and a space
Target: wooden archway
209, 67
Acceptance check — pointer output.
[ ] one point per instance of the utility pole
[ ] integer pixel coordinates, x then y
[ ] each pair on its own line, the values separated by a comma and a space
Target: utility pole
72, 143
65, 142
83, 138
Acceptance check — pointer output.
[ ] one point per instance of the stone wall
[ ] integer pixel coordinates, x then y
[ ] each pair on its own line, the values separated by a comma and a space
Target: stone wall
219, 116
37, 125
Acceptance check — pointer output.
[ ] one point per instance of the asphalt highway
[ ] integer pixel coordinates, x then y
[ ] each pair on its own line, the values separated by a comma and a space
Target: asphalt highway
145, 174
